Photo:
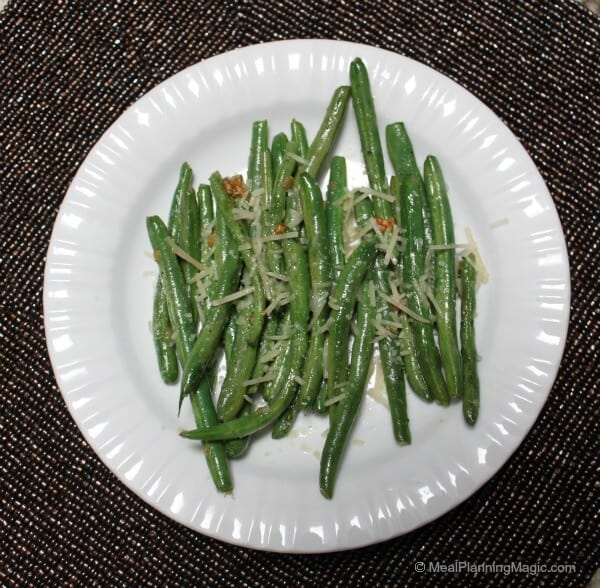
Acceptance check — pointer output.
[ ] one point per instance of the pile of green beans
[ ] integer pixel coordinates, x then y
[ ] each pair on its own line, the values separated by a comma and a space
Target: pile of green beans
259, 271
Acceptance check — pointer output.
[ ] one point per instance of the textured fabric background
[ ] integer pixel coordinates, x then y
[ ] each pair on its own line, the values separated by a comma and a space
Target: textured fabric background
68, 69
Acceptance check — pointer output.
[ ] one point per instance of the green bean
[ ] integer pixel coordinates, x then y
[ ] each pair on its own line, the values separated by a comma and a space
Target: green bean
278, 149
282, 184
320, 277
163, 337
216, 453
190, 242
366, 120
183, 184
345, 296
404, 163
229, 335
299, 137
293, 353
260, 130
408, 352
315, 222
319, 405
467, 338
231, 398
207, 223
400, 150
242, 240
236, 448
396, 389
445, 276
347, 410
327, 132
178, 303
316, 153
216, 317
414, 375
413, 263
162, 331
180, 315
276, 365
270, 329
335, 213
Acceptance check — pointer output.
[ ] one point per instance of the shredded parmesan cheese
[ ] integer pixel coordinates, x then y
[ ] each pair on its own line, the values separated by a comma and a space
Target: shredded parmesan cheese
335, 399
279, 277
378, 193
235, 296
183, 254
483, 275
262, 380
498, 223
399, 302
297, 158
276, 237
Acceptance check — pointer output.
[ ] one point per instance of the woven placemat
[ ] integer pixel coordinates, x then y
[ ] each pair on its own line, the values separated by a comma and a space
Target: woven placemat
68, 69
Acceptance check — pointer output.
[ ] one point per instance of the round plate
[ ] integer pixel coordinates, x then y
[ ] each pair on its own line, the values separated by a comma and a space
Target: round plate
100, 277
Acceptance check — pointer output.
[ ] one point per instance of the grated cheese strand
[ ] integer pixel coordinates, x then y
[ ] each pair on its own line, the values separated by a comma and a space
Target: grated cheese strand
262, 380
290, 235
499, 223
378, 193
335, 399
235, 296
183, 254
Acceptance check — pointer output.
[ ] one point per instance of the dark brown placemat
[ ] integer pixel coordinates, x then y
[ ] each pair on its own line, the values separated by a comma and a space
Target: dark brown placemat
68, 69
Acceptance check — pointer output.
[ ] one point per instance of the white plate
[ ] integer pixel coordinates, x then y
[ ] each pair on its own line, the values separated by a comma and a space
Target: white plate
97, 301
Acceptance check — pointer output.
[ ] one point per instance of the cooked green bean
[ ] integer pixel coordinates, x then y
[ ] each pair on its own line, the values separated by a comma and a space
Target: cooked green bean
319, 405
228, 268
282, 184
236, 448
401, 152
396, 389
276, 365
208, 235
278, 149
180, 315
163, 337
327, 132
335, 213
408, 352
345, 296
313, 210
231, 398
260, 130
178, 303
216, 453
347, 409
299, 137
162, 331
229, 335
413, 267
414, 375
467, 338
366, 120
242, 240
404, 163
190, 242
444, 289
